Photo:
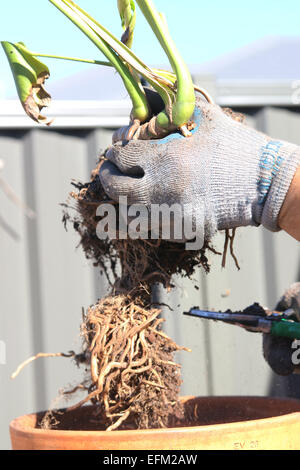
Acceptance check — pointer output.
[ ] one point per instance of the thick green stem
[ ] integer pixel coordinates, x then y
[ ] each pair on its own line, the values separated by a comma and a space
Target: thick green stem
140, 105
128, 16
159, 83
127, 13
126, 54
184, 106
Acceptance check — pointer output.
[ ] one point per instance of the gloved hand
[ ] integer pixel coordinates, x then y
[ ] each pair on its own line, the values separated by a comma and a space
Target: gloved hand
278, 352
225, 176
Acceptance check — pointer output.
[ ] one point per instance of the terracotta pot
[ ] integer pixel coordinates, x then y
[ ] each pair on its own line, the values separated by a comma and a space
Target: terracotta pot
223, 423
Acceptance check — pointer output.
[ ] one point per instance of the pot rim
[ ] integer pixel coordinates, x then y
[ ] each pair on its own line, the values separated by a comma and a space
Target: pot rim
18, 426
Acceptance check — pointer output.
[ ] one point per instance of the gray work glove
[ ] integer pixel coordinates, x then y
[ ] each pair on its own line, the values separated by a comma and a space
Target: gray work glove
279, 352
225, 176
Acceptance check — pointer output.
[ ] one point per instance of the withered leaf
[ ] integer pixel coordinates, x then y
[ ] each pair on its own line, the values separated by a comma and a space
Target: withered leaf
29, 75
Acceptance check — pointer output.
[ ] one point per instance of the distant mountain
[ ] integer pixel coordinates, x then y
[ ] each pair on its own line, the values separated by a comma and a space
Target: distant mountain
270, 58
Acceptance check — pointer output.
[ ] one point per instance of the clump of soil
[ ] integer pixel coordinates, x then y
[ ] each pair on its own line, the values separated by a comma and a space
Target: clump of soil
142, 262
132, 376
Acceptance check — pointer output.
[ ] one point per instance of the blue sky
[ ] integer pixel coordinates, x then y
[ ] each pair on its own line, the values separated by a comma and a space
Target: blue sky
202, 30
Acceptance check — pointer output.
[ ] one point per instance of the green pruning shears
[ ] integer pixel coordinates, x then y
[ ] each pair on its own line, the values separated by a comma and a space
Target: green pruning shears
257, 319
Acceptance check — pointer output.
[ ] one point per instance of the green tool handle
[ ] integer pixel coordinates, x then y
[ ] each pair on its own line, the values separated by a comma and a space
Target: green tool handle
286, 328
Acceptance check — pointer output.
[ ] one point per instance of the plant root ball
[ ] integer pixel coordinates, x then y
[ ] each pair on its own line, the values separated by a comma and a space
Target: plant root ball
130, 359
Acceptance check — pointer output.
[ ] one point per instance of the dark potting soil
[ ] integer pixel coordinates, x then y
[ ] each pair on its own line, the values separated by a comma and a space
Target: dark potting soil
201, 411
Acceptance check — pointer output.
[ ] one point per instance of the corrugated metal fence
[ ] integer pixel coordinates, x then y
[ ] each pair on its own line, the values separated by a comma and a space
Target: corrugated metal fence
45, 281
